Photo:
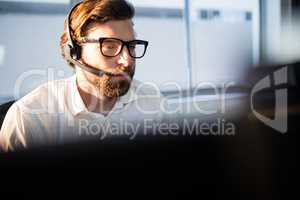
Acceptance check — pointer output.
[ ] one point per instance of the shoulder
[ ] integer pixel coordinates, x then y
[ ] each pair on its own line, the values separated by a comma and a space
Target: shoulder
39, 98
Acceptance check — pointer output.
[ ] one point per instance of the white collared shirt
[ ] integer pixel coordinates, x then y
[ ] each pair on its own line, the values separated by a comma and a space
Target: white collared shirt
55, 113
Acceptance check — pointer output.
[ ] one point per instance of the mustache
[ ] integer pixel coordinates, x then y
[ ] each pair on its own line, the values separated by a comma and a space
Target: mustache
127, 71
123, 71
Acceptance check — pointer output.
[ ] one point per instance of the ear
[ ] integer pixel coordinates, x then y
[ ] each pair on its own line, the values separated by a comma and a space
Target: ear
68, 51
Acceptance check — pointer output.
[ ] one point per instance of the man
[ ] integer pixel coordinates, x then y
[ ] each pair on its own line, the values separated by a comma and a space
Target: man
99, 43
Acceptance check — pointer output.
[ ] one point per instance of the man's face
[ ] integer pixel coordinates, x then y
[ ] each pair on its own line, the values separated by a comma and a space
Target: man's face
122, 65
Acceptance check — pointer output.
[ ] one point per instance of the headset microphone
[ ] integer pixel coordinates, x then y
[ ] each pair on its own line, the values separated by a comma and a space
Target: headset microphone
72, 50
85, 67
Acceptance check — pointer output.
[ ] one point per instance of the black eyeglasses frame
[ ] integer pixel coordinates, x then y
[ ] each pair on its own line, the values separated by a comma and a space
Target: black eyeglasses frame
124, 43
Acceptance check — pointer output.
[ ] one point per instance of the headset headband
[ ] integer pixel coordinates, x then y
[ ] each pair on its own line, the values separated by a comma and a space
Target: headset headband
71, 42
72, 50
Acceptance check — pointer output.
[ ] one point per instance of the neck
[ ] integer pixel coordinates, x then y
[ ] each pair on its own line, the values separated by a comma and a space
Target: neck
94, 101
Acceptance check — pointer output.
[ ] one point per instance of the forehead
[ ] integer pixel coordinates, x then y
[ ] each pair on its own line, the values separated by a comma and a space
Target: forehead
122, 29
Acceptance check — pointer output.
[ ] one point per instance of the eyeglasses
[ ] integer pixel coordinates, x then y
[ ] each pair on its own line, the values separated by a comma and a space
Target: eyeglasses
111, 47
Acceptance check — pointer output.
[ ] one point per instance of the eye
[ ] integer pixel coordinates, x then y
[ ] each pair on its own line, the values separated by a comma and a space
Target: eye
132, 46
110, 45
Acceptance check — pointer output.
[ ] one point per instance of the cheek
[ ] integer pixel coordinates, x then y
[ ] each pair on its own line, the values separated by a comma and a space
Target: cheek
92, 56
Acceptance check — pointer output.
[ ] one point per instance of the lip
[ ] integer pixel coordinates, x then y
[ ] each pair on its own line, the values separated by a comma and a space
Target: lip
121, 76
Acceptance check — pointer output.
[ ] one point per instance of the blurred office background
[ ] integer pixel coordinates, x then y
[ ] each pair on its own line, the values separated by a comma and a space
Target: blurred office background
191, 41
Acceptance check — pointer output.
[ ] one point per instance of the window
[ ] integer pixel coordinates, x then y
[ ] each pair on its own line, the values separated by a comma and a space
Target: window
161, 22
39, 1
225, 40
29, 45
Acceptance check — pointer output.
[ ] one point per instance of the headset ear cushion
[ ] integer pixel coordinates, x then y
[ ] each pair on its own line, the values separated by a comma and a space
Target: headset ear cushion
72, 52
77, 52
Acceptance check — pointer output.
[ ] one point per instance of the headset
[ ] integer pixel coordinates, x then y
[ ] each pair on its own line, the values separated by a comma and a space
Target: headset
72, 51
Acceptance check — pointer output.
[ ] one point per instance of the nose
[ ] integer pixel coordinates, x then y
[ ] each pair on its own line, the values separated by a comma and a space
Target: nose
124, 58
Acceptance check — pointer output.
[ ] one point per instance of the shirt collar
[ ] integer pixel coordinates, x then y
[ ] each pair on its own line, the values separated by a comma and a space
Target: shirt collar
76, 103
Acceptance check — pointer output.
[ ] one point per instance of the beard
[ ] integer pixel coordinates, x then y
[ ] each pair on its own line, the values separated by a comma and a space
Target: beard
116, 85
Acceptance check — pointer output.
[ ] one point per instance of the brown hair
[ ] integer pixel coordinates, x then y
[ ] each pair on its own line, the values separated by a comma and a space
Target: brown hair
100, 11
